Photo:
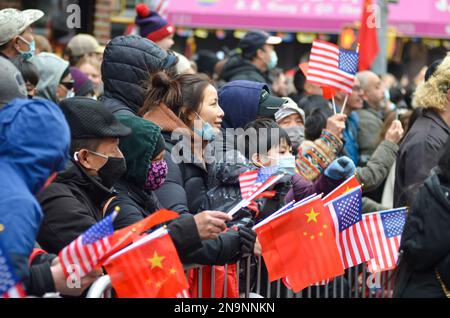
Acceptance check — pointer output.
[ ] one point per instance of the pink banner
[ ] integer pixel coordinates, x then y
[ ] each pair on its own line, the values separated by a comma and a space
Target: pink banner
427, 18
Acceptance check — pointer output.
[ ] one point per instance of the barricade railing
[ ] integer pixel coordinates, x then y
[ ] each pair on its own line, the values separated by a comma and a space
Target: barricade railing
357, 282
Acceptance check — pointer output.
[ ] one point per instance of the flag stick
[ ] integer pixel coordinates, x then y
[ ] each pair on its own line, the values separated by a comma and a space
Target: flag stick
345, 103
334, 105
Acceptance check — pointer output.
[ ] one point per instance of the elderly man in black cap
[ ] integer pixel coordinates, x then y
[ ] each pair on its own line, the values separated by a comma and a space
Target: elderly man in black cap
75, 200
253, 59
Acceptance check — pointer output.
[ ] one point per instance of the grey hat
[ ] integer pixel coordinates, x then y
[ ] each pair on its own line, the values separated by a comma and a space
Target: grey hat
13, 22
12, 84
289, 108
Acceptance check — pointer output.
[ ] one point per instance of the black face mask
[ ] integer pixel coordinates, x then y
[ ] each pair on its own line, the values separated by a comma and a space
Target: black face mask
112, 171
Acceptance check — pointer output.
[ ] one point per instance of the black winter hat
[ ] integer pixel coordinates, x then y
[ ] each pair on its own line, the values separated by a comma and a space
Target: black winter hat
89, 119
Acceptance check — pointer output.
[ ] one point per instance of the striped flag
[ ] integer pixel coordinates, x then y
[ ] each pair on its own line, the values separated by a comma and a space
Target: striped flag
83, 254
10, 286
330, 67
385, 229
343, 188
352, 238
251, 180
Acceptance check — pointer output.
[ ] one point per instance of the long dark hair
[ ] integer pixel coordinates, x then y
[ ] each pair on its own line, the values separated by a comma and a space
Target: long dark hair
183, 94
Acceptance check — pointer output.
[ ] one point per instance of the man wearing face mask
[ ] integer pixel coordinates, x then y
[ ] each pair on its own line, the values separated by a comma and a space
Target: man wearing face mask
55, 81
291, 118
16, 35
254, 58
76, 199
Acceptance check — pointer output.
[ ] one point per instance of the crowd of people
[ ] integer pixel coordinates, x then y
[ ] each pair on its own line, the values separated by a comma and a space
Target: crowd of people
138, 126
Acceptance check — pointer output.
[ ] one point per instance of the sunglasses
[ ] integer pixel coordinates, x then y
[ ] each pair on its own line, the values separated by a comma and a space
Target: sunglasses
68, 85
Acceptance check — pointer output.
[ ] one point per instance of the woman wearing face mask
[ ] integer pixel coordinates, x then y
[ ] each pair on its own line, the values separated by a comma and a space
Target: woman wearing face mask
147, 170
187, 110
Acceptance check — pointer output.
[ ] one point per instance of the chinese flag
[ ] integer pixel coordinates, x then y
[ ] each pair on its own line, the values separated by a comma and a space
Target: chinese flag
300, 246
328, 92
344, 187
150, 270
368, 40
129, 234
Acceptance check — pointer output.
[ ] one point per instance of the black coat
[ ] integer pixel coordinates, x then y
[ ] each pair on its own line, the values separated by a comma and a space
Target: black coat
238, 68
135, 204
127, 63
425, 244
418, 154
71, 204
184, 191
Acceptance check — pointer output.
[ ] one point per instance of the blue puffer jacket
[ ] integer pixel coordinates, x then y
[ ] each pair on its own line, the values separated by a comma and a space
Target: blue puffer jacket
240, 102
34, 143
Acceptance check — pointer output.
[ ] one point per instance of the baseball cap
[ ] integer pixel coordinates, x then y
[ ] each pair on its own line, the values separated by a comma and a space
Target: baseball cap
89, 118
289, 108
82, 44
13, 22
269, 104
254, 40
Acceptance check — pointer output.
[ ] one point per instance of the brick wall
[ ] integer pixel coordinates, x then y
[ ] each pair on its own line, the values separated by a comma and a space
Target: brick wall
10, 4
102, 23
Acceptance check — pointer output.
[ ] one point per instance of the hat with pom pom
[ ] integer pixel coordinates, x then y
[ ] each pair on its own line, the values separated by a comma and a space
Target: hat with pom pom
152, 26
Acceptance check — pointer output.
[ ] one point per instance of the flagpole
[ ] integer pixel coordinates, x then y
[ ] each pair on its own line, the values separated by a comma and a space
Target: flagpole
345, 103
334, 105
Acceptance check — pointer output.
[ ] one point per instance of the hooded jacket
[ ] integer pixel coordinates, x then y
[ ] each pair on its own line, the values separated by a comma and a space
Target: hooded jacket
50, 68
135, 203
418, 154
240, 102
34, 143
424, 246
128, 62
238, 68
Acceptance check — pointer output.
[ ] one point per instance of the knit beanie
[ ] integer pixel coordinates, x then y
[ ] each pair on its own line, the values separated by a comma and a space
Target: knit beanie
82, 84
151, 25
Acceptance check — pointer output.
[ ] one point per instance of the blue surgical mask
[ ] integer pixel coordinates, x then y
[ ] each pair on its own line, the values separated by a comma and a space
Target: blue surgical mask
273, 60
26, 56
285, 164
208, 133
70, 94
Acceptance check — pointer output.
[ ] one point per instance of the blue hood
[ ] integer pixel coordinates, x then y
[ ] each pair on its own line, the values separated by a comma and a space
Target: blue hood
34, 140
240, 102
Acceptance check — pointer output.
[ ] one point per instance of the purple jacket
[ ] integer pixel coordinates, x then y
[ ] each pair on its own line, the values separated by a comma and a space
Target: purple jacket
301, 188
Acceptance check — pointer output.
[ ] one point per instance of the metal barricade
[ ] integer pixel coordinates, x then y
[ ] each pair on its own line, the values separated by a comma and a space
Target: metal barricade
101, 288
357, 282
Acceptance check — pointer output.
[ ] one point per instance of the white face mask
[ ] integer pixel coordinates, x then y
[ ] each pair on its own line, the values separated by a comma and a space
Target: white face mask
70, 94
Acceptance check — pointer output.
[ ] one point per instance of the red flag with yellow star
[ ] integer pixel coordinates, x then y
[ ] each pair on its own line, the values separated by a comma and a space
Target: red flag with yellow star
300, 246
148, 270
346, 186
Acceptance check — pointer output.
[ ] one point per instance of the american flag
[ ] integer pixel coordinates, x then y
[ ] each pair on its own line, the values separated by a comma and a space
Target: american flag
329, 66
251, 180
10, 286
385, 229
352, 238
83, 254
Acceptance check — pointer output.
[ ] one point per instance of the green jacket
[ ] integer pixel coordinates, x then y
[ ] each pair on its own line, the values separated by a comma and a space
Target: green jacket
370, 124
378, 167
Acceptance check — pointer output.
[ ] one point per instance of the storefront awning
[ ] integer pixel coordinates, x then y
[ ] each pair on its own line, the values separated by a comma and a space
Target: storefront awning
424, 18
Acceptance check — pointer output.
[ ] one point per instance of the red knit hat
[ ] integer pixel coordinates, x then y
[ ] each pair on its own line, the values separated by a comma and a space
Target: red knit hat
151, 25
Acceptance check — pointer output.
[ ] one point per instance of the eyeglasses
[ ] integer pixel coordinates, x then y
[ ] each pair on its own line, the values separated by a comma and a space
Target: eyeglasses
68, 85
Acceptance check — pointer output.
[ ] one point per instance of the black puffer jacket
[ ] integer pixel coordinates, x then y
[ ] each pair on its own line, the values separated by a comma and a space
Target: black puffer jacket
425, 244
238, 68
71, 205
184, 191
127, 63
